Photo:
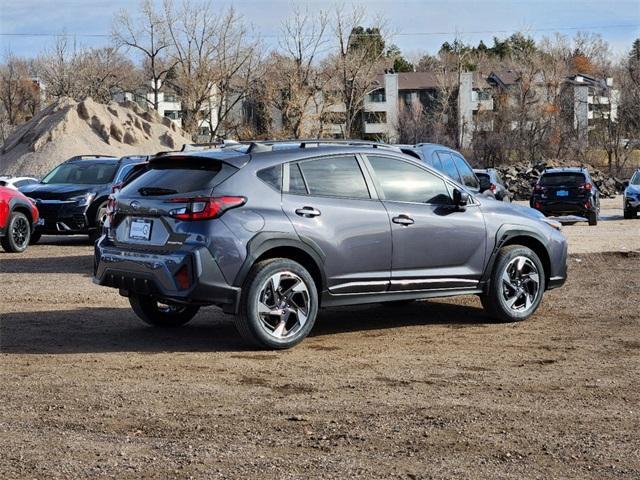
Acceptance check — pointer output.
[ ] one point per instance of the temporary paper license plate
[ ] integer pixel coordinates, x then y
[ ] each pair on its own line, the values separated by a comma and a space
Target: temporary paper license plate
562, 193
140, 229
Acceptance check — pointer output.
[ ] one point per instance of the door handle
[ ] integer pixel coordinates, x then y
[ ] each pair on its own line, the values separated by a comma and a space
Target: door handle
308, 212
403, 220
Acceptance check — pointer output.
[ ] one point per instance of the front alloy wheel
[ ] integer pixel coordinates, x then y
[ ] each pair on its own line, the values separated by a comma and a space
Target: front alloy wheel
520, 284
516, 286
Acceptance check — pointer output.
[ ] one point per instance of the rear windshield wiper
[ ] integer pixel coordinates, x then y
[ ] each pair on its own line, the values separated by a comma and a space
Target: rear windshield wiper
156, 191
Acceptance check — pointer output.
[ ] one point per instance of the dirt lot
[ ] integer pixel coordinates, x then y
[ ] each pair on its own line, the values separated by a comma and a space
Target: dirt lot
430, 390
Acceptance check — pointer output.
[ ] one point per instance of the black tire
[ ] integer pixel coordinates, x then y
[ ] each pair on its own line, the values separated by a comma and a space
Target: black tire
152, 312
629, 214
253, 326
35, 238
592, 217
98, 222
18, 233
494, 301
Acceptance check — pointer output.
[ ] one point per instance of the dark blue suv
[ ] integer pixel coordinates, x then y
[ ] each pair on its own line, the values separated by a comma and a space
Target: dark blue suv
272, 234
72, 198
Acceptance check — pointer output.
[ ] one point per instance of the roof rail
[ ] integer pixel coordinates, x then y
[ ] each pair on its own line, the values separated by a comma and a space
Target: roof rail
89, 157
267, 145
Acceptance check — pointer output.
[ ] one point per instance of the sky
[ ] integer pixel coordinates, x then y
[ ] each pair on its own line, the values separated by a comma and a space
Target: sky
419, 26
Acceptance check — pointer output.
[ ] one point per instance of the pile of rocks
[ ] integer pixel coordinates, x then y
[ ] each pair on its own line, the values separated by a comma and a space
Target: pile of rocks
520, 179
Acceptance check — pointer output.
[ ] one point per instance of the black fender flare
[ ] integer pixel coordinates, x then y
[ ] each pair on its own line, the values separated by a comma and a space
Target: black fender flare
503, 235
265, 241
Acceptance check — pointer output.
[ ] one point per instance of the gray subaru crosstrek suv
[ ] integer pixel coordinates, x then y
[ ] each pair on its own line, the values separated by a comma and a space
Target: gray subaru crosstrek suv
271, 234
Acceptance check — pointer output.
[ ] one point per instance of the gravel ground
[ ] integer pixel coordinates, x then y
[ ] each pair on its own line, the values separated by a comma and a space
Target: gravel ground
429, 390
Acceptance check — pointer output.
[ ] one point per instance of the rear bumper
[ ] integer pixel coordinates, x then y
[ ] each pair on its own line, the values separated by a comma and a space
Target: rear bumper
563, 207
147, 273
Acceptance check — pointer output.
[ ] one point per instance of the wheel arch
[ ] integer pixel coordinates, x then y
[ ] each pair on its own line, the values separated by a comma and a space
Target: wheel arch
526, 238
267, 245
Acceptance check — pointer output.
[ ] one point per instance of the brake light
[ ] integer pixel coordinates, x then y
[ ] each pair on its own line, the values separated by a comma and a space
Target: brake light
492, 187
586, 186
537, 206
111, 208
204, 208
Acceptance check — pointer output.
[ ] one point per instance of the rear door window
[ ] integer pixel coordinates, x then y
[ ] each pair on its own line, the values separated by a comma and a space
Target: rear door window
335, 177
448, 166
466, 173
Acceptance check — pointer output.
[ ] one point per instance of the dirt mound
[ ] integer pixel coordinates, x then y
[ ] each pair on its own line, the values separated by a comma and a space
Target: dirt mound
67, 128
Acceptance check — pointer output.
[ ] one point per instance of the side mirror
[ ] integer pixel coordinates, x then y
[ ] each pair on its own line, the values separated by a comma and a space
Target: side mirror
460, 198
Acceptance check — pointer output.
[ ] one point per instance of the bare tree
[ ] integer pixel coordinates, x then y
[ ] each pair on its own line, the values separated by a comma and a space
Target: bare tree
295, 81
360, 56
19, 94
149, 36
59, 67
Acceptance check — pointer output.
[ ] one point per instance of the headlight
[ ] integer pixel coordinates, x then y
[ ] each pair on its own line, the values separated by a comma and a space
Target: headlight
552, 223
83, 200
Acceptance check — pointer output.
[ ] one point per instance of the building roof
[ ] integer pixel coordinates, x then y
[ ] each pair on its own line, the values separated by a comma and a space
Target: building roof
429, 80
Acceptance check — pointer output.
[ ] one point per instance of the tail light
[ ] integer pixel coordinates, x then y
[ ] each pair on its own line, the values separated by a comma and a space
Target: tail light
204, 208
492, 187
586, 186
111, 208
537, 205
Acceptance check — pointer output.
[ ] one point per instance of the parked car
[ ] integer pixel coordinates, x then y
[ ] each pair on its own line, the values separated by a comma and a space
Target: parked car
492, 183
447, 161
16, 183
72, 198
273, 235
631, 196
18, 216
567, 191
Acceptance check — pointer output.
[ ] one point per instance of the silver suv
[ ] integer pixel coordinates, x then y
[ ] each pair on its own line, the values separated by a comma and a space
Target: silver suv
271, 234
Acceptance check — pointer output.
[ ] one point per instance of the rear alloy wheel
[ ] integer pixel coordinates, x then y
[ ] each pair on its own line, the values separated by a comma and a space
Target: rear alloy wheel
279, 304
517, 285
160, 314
18, 233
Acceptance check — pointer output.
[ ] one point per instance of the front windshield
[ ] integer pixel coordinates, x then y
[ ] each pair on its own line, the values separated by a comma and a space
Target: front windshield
82, 173
635, 180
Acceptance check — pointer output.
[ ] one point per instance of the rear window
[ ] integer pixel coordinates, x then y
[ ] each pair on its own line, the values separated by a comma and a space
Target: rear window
178, 176
562, 179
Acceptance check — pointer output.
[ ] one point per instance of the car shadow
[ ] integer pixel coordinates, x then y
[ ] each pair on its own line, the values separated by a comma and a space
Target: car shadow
67, 264
102, 330
390, 315
65, 240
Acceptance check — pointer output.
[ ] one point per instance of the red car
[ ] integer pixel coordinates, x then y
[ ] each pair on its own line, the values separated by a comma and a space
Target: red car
18, 216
